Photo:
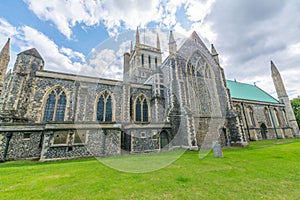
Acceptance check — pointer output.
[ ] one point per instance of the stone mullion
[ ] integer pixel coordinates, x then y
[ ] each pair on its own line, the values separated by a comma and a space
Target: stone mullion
55, 107
104, 107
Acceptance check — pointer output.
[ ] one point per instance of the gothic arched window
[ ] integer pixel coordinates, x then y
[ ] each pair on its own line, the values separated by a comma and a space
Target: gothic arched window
142, 58
141, 109
104, 107
251, 116
277, 117
149, 61
284, 117
55, 106
267, 115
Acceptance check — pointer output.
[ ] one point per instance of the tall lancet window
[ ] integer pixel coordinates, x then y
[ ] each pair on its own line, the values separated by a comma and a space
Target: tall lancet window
277, 117
251, 116
55, 106
142, 58
104, 107
141, 109
267, 115
149, 61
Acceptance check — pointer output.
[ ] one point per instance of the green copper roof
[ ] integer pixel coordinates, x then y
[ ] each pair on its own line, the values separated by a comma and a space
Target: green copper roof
248, 92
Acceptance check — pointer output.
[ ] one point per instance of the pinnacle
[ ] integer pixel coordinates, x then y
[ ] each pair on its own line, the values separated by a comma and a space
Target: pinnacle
171, 37
274, 68
137, 36
5, 49
213, 50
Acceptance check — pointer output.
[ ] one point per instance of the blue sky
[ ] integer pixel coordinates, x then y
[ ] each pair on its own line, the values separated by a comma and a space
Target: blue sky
246, 34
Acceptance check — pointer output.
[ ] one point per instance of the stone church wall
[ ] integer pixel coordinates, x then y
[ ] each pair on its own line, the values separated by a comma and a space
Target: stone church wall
22, 145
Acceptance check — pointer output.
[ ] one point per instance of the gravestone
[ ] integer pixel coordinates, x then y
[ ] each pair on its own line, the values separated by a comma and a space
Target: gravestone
217, 150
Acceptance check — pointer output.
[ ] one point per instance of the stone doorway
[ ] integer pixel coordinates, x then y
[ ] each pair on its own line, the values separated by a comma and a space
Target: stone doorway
263, 131
164, 140
223, 136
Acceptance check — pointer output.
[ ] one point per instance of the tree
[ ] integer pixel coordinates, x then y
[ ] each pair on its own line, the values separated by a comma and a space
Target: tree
296, 107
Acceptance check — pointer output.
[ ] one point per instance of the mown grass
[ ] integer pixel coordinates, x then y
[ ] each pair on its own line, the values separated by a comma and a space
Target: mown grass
263, 170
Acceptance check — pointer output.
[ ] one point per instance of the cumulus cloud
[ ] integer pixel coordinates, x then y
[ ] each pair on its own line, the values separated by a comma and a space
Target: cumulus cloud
247, 34
251, 33
56, 58
6, 30
66, 14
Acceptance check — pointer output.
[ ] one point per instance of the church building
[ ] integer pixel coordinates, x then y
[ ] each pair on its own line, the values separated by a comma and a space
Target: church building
183, 101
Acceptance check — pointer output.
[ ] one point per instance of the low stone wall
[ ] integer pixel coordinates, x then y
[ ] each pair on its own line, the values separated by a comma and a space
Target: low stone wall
97, 143
22, 145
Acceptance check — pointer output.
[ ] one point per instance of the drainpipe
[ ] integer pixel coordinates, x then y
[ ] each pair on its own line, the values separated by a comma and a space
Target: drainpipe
273, 122
246, 120
8, 137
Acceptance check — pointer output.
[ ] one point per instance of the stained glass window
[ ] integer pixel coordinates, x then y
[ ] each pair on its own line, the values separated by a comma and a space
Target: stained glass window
104, 108
108, 113
49, 108
61, 107
141, 109
145, 111
138, 116
100, 109
55, 106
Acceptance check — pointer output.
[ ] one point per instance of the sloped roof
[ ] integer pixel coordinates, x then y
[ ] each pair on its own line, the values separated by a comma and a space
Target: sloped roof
32, 52
249, 92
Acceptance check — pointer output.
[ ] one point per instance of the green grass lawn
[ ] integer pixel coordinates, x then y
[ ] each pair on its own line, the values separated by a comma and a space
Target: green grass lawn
263, 170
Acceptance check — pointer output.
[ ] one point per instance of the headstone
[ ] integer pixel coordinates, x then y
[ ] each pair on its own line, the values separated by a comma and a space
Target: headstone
217, 150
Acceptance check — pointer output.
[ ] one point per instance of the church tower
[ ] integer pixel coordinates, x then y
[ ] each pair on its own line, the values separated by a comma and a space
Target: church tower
144, 59
4, 60
283, 98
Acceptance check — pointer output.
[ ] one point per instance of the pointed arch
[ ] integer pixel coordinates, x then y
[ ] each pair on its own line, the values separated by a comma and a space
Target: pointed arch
277, 117
104, 107
285, 121
267, 116
251, 115
142, 108
55, 102
263, 131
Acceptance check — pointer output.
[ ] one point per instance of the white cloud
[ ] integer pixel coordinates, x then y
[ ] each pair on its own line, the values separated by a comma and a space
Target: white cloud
247, 34
66, 14
6, 30
58, 59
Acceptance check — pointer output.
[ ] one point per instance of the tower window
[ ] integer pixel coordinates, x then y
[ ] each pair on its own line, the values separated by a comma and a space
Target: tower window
149, 60
104, 107
156, 62
142, 57
55, 106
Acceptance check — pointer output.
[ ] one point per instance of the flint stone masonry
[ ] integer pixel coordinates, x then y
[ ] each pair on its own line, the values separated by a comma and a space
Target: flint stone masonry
188, 106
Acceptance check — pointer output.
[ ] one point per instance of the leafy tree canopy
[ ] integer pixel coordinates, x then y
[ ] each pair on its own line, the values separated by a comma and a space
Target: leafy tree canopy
296, 107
